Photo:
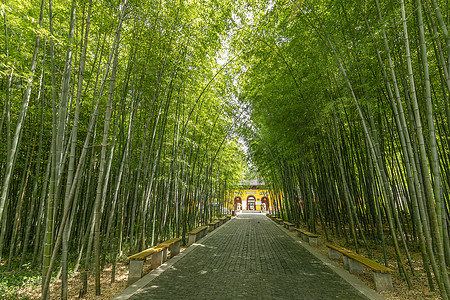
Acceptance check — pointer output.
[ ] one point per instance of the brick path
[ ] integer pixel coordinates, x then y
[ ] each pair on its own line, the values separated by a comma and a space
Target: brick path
250, 257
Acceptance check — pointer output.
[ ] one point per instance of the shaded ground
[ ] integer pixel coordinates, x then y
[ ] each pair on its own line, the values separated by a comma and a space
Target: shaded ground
249, 258
401, 291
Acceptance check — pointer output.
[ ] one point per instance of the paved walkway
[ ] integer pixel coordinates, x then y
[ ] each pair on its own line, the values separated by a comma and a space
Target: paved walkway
249, 257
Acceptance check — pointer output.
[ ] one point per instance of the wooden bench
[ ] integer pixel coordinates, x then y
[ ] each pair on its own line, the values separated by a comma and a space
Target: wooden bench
223, 220
158, 256
174, 247
276, 219
213, 225
197, 234
335, 252
309, 237
289, 226
355, 263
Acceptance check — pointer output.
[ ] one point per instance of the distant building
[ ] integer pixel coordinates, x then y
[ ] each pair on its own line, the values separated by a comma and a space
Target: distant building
251, 199
251, 196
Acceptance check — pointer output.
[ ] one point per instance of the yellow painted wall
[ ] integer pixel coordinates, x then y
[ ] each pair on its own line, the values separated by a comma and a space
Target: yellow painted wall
244, 195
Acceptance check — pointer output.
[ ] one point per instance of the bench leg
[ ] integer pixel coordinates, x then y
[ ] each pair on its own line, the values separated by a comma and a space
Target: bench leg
299, 234
346, 263
383, 281
192, 239
313, 241
164, 255
305, 238
174, 249
157, 259
333, 254
135, 271
211, 228
355, 267
291, 227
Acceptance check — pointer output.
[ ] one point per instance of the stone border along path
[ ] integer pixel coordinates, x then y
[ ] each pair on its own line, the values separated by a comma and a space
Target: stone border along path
249, 257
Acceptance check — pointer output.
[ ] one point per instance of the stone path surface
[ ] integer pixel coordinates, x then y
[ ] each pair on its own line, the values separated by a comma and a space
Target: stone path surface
249, 257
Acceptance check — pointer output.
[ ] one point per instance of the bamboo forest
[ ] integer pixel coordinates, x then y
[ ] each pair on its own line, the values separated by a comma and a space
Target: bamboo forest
125, 123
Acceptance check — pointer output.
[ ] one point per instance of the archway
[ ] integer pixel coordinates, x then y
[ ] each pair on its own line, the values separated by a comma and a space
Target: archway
237, 203
265, 203
251, 202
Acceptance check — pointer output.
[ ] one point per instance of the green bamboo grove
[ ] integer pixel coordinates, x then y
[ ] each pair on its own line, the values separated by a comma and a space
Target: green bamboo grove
120, 122
116, 132
349, 118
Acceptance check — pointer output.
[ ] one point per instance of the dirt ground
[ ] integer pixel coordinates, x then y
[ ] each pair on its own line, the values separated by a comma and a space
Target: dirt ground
108, 289
401, 292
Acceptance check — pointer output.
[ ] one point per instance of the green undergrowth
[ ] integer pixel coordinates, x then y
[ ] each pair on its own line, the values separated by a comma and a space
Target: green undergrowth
12, 282
27, 276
